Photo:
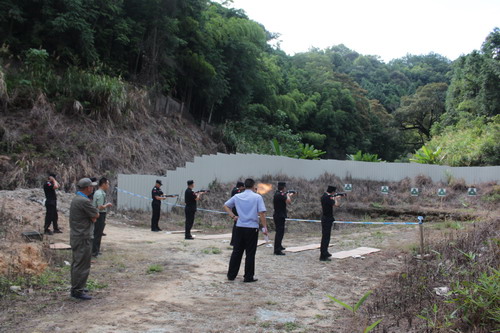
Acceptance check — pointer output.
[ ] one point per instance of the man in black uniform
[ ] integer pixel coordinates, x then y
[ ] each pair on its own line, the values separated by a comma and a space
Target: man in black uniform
240, 187
157, 196
190, 199
328, 200
281, 198
50, 187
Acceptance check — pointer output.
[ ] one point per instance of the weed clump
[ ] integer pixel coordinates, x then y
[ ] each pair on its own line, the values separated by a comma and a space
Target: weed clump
456, 288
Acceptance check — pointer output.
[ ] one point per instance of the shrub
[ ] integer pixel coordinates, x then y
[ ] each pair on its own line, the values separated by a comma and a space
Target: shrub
364, 157
478, 301
102, 96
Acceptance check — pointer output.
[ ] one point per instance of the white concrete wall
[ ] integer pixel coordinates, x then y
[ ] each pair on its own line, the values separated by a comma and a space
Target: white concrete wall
231, 167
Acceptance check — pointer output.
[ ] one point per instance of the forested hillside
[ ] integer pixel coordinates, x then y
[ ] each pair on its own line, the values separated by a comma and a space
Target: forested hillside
92, 59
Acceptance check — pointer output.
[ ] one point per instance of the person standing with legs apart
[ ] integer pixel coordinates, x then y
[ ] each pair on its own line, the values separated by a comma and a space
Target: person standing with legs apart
51, 217
240, 187
157, 196
251, 208
329, 199
280, 200
190, 199
100, 203
82, 216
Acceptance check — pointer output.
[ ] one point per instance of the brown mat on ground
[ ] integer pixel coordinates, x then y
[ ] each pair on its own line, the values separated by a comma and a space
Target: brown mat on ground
182, 231
302, 248
219, 236
60, 246
356, 252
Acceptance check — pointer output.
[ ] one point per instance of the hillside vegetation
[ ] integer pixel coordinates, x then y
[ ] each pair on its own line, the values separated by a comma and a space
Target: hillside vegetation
93, 60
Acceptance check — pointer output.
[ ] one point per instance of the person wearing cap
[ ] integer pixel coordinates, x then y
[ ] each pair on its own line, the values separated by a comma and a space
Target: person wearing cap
251, 208
190, 199
99, 201
280, 200
240, 187
91, 195
51, 217
157, 195
82, 216
328, 201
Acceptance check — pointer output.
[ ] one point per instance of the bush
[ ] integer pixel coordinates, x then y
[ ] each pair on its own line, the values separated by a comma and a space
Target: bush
102, 96
470, 143
467, 264
478, 302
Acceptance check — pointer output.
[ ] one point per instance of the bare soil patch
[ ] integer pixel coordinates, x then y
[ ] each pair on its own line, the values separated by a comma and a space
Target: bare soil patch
192, 293
187, 291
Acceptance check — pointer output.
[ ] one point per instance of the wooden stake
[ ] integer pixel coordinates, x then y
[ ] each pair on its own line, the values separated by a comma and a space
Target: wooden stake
421, 227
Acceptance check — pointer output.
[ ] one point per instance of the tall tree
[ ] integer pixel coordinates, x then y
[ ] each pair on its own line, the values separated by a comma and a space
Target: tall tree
422, 109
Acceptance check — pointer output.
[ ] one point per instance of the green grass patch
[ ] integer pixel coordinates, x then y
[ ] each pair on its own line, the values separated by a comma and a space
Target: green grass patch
94, 285
155, 269
212, 250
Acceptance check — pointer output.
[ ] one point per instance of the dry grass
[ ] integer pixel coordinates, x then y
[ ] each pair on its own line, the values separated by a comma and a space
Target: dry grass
40, 139
411, 292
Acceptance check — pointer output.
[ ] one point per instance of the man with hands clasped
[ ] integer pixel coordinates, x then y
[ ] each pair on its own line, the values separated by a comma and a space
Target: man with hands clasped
251, 209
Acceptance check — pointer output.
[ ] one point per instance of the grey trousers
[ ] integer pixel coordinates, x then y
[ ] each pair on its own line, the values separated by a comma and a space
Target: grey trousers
80, 266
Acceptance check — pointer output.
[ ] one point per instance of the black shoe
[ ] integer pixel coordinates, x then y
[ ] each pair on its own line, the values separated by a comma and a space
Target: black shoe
155, 230
81, 296
230, 279
190, 237
48, 232
283, 248
103, 234
324, 259
159, 229
329, 255
279, 253
251, 280
57, 231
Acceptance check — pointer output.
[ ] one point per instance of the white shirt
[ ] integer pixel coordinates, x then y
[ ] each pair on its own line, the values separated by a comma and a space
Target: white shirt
248, 204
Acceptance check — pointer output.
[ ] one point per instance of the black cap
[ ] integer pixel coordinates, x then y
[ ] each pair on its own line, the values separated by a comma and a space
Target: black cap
159, 182
281, 184
240, 184
331, 189
190, 182
51, 174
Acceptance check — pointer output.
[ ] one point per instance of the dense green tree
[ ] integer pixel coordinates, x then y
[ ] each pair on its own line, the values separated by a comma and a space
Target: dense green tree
421, 110
220, 64
474, 88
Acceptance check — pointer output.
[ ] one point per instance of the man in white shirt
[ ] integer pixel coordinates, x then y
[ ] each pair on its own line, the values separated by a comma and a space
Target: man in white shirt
251, 208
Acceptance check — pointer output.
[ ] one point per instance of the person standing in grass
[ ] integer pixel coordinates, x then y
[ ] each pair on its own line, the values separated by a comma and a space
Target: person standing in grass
82, 216
329, 199
100, 203
251, 208
280, 200
51, 217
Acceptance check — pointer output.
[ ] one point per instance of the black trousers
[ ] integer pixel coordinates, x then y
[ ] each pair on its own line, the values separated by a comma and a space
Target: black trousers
245, 240
235, 212
326, 231
156, 216
232, 234
51, 216
279, 223
99, 225
189, 221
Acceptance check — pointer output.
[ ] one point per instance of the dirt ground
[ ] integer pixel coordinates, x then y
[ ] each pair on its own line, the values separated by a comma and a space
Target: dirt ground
192, 293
